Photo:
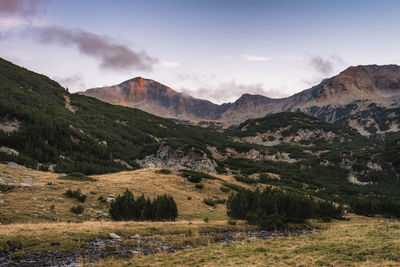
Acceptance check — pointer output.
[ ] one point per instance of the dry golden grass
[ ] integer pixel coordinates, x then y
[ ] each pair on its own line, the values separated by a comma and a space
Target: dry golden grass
29, 205
358, 242
39, 237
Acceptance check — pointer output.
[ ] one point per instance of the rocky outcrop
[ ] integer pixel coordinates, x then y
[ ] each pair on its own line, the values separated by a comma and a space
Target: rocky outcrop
168, 157
9, 151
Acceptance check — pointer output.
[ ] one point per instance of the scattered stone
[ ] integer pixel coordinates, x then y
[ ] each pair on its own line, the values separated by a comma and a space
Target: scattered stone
29, 179
136, 236
60, 199
2, 195
1, 201
34, 215
210, 209
110, 200
52, 167
114, 236
24, 185
2, 181
63, 174
14, 165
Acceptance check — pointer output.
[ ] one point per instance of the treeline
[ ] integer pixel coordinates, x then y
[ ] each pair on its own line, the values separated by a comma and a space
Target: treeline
378, 205
126, 207
274, 208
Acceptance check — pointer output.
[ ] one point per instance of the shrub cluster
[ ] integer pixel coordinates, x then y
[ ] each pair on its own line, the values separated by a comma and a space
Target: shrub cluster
234, 187
125, 207
371, 206
245, 179
195, 176
77, 194
78, 209
164, 171
274, 208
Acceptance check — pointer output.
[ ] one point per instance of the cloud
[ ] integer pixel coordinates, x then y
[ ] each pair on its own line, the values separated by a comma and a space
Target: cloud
21, 7
325, 66
111, 54
231, 91
14, 13
74, 81
321, 65
167, 64
255, 58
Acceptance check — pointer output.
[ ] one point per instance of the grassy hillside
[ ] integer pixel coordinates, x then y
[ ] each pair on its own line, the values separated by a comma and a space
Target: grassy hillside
48, 202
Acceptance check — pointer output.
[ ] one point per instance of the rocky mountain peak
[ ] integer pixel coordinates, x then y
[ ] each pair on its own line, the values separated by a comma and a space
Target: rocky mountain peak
140, 86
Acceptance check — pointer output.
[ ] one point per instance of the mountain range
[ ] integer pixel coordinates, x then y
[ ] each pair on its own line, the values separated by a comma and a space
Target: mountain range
43, 126
359, 96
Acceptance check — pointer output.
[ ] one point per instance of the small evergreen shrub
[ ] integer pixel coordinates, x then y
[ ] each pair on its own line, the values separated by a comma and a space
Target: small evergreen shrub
199, 186
77, 194
195, 176
234, 187
224, 189
209, 202
78, 209
102, 199
163, 171
6, 187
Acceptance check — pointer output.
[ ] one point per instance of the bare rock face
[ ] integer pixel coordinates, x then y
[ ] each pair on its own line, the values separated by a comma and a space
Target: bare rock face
168, 157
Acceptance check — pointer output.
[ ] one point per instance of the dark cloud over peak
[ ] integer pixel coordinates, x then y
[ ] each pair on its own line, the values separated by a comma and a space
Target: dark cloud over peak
111, 54
21, 7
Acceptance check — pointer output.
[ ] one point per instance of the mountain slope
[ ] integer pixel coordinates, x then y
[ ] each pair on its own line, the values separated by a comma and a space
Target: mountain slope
42, 124
158, 99
357, 91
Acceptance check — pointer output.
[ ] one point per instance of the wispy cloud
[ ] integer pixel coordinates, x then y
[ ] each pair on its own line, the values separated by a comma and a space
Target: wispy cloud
74, 81
231, 91
322, 67
255, 58
325, 66
167, 64
14, 13
111, 54
22, 7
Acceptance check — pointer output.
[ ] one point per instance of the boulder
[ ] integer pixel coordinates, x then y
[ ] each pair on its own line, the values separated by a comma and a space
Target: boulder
110, 200
24, 185
52, 167
2, 181
14, 165
1, 201
114, 236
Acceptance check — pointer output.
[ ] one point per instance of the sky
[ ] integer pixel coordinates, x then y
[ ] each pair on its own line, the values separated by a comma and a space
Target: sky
210, 49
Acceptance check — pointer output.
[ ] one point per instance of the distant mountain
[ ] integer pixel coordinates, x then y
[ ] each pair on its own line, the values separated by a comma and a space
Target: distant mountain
359, 96
158, 99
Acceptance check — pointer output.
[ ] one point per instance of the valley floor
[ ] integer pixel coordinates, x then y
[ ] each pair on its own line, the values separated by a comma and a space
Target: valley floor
38, 227
359, 241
